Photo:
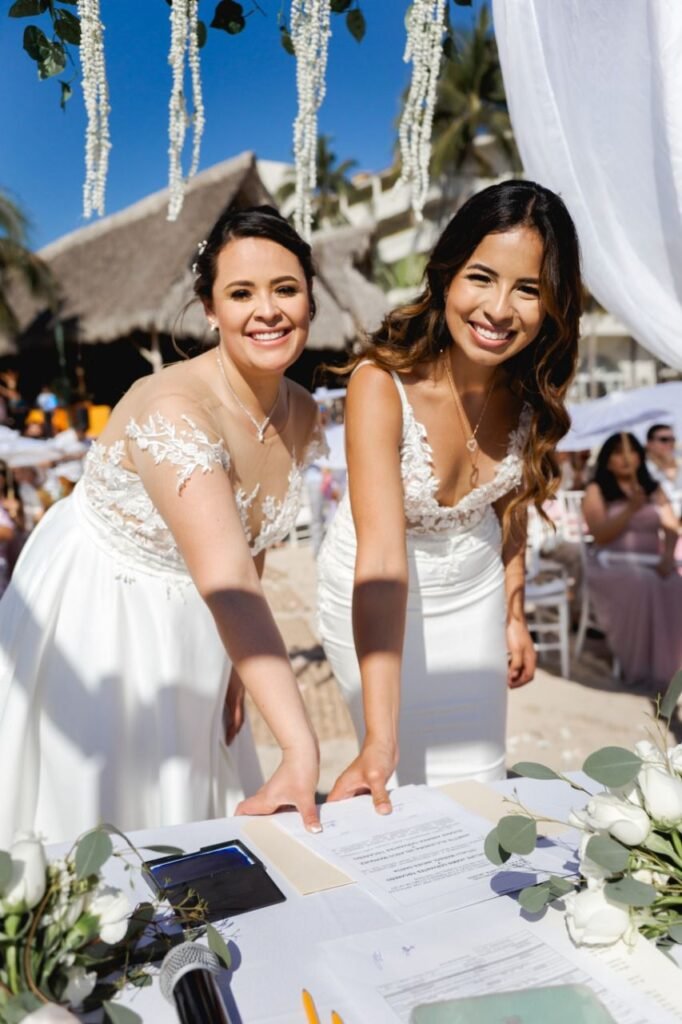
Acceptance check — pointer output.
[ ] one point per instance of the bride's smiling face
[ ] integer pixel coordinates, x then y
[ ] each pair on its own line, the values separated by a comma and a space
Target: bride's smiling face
493, 308
261, 304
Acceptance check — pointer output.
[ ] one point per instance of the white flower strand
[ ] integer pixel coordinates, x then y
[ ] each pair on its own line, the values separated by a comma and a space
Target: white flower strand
96, 96
310, 32
184, 20
425, 28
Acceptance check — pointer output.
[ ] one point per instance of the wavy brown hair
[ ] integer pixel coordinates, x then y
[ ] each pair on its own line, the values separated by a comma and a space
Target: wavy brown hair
541, 373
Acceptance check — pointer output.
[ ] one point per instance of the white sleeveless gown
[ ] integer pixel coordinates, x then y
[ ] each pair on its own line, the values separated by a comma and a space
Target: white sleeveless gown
454, 671
112, 672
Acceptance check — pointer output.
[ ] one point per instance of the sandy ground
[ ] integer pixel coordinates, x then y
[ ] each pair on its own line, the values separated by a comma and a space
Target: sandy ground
553, 720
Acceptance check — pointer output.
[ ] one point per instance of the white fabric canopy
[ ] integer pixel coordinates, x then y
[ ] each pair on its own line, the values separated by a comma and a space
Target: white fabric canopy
634, 411
595, 94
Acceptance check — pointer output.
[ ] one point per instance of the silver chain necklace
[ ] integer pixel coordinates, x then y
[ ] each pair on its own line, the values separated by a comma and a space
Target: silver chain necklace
260, 427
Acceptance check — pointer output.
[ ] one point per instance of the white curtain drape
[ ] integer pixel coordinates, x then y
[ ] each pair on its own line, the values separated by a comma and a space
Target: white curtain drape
595, 95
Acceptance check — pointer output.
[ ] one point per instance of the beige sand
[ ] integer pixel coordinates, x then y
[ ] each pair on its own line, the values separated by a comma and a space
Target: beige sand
553, 720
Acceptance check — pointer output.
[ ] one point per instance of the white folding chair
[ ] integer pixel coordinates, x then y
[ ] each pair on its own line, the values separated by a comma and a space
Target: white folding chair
547, 611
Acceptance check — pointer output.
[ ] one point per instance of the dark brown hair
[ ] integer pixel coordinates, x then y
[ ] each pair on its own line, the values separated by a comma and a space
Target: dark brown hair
541, 373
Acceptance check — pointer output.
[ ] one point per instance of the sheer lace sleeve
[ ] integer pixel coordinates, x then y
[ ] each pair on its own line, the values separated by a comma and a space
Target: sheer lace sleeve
176, 438
317, 447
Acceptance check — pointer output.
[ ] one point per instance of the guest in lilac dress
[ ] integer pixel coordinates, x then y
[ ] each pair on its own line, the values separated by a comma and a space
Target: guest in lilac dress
633, 582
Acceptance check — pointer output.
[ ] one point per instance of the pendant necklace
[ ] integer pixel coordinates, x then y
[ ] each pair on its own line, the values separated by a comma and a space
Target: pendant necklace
470, 440
260, 427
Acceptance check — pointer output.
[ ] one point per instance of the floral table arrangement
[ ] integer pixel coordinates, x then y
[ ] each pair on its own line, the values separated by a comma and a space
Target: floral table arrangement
630, 850
69, 938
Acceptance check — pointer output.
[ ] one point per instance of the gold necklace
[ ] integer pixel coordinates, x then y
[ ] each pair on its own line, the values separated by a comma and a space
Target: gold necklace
470, 440
260, 427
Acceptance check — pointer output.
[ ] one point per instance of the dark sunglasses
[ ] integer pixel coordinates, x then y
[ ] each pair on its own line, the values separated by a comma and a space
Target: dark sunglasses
664, 438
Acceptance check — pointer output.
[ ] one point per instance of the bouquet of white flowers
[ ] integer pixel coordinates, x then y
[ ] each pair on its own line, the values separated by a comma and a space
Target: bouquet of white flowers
630, 851
67, 937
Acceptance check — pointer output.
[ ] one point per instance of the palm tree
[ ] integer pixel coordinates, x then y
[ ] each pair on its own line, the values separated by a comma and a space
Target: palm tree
471, 102
18, 263
332, 182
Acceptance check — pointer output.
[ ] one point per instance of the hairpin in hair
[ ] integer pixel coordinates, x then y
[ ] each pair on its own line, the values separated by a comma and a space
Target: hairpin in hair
200, 251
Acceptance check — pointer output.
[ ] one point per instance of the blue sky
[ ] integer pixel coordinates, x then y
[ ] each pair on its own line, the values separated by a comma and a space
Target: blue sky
249, 95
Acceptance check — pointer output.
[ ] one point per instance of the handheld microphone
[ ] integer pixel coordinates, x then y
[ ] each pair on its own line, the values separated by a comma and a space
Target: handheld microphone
188, 979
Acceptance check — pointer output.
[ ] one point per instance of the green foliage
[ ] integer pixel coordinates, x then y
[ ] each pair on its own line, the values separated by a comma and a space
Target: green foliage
560, 886
493, 850
121, 1014
93, 850
612, 766
229, 16
631, 892
672, 695
217, 945
355, 21
675, 932
15, 1009
470, 103
17, 262
608, 853
407, 272
5, 869
517, 833
535, 897
534, 770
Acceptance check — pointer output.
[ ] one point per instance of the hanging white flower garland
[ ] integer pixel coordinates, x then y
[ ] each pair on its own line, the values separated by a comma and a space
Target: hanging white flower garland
310, 32
425, 29
96, 96
184, 21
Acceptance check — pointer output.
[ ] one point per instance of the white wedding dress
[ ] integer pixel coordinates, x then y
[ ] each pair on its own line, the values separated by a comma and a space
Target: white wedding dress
112, 672
454, 669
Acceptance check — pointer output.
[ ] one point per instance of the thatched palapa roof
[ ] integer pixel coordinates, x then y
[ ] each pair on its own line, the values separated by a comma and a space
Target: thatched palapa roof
131, 271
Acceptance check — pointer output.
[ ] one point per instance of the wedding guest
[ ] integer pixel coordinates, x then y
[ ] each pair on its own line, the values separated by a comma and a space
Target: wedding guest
663, 464
638, 601
452, 417
136, 616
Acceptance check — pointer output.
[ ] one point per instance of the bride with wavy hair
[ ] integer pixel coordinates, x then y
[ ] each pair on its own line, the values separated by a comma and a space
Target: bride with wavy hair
452, 417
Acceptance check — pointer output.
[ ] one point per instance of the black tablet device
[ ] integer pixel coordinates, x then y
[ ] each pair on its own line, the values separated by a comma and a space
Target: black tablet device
228, 877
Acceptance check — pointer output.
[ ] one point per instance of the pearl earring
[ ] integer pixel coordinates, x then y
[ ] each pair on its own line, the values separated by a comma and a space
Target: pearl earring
213, 325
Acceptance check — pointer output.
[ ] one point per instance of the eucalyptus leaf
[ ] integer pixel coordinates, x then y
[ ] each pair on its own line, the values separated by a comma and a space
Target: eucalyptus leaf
672, 695
560, 886
659, 844
229, 16
517, 833
463, 3
535, 897
492, 849
140, 980
339, 6
202, 34
355, 22
93, 850
27, 8
631, 892
68, 27
120, 1014
5, 870
534, 770
449, 48
17, 1008
675, 932
217, 944
608, 853
612, 766
172, 851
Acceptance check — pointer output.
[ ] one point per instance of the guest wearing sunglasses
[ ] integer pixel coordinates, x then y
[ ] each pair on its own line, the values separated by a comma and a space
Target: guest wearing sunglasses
663, 464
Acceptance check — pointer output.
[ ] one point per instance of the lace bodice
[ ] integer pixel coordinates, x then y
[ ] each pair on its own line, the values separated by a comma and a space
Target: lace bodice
423, 512
118, 497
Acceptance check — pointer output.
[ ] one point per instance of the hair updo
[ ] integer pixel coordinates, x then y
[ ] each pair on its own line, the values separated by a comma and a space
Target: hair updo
254, 222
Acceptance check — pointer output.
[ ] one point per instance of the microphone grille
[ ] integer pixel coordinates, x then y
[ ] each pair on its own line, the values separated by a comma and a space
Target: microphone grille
188, 956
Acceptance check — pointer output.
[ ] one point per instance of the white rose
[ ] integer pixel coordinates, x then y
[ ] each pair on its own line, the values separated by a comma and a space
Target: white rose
594, 920
79, 985
675, 756
649, 752
50, 1013
29, 875
112, 908
662, 795
623, 820
655, 878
